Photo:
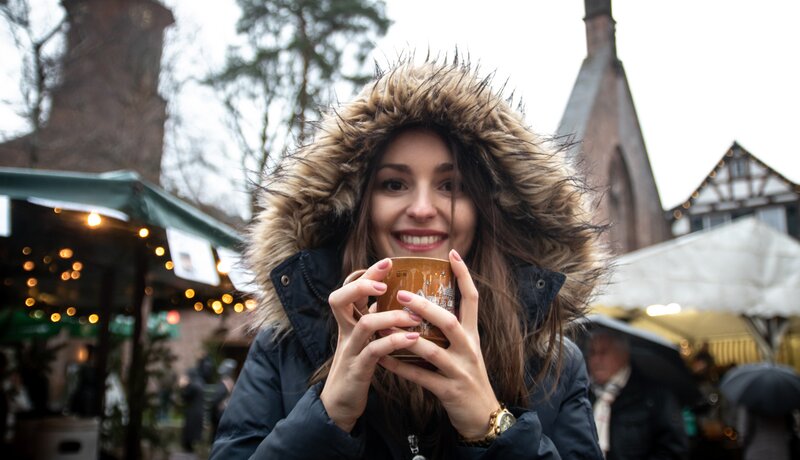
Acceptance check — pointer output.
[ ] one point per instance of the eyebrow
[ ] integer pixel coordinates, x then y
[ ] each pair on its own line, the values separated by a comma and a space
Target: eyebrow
404, 168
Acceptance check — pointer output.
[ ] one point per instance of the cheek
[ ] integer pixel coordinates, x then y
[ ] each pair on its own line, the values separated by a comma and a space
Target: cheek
466, 221
377, 213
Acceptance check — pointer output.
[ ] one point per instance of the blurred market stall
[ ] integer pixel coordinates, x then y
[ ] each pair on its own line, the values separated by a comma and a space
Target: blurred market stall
736, 286
109, 253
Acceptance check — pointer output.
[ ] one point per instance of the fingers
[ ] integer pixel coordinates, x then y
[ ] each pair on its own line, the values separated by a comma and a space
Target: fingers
380, 348
442, 358
436, 315
469, 293
427, 379
354, 294
368, 325
351, 296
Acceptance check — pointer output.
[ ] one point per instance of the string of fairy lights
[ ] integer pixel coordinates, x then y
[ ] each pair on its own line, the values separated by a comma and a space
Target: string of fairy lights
67, 266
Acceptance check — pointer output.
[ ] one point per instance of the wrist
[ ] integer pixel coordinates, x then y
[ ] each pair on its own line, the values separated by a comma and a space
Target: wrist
499, 421
344, 423
478, 430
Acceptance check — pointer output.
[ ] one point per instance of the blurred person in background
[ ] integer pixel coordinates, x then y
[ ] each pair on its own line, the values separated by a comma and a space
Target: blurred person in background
221, 393
192, 395
636, 418
765, 436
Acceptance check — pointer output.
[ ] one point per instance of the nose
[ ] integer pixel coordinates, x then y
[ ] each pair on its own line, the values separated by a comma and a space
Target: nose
422, 206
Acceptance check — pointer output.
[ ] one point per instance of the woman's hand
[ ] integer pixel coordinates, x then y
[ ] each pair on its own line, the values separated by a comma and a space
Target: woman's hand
344, 394
461, 382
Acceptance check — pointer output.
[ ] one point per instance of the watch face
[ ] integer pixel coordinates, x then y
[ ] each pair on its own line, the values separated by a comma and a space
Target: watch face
504, 421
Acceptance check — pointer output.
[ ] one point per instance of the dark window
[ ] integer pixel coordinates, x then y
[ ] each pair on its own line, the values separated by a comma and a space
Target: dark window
695, 223
714, 220
738, 167
793, 220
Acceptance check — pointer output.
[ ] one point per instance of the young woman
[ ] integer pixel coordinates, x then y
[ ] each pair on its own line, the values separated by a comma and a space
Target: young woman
426, 161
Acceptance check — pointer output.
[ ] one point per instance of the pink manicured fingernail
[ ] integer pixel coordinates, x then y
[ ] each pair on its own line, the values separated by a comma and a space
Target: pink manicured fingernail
456, 255
412, 335
404, 296
415, 316
383, 264
379, 286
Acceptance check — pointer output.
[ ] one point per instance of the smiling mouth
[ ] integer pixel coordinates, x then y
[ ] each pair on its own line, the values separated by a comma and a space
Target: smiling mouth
420, 240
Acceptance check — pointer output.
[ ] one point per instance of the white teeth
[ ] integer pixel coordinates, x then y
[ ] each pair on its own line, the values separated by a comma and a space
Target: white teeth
419, 240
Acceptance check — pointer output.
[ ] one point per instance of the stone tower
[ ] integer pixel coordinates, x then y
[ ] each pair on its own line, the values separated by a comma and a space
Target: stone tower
106, 111
601, 118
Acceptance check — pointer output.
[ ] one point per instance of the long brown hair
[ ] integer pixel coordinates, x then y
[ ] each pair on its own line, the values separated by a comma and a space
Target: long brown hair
507, 342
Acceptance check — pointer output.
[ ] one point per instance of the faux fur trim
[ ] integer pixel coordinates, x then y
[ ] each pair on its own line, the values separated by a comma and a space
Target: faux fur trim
317, 188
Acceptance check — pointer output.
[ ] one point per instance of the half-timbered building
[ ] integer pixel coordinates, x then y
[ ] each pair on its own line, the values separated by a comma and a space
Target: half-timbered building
740, 185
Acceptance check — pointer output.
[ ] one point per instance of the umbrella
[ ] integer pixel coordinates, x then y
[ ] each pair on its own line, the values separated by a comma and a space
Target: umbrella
767, 388
655, 357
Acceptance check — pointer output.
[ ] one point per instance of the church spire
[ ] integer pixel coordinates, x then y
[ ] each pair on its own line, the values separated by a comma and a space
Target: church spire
600, 27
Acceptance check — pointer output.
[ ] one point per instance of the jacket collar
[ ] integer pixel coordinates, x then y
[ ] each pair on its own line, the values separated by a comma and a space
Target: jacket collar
304, 281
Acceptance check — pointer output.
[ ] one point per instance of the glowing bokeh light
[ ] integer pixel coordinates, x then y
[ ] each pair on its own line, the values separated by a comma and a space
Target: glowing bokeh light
93, 219
173, 317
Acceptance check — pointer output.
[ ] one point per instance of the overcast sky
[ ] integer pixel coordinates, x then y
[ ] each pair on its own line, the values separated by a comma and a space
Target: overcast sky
703, 73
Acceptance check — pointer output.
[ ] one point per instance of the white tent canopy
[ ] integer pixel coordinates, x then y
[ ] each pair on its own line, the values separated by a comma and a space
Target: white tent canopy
744, 268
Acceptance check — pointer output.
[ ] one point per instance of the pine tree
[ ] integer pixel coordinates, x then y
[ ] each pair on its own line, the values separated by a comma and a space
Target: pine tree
295, 53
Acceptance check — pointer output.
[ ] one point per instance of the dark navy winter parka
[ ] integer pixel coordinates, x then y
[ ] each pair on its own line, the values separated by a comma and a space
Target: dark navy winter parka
274, 414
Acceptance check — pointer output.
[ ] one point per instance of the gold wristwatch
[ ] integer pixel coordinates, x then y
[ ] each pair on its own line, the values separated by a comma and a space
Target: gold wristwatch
499, 421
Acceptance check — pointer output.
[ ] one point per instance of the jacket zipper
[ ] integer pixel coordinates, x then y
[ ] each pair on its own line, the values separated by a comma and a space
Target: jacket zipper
413, 445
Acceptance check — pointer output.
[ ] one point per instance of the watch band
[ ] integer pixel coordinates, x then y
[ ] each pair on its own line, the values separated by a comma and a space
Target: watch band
495, 428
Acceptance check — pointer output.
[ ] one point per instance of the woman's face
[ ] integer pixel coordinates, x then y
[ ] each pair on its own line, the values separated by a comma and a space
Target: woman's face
410, 201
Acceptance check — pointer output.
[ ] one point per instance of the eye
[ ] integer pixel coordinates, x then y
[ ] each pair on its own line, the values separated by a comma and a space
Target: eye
448, 186
392, 185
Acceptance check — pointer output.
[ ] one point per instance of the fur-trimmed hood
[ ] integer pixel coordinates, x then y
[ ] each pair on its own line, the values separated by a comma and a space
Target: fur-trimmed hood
314, 193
